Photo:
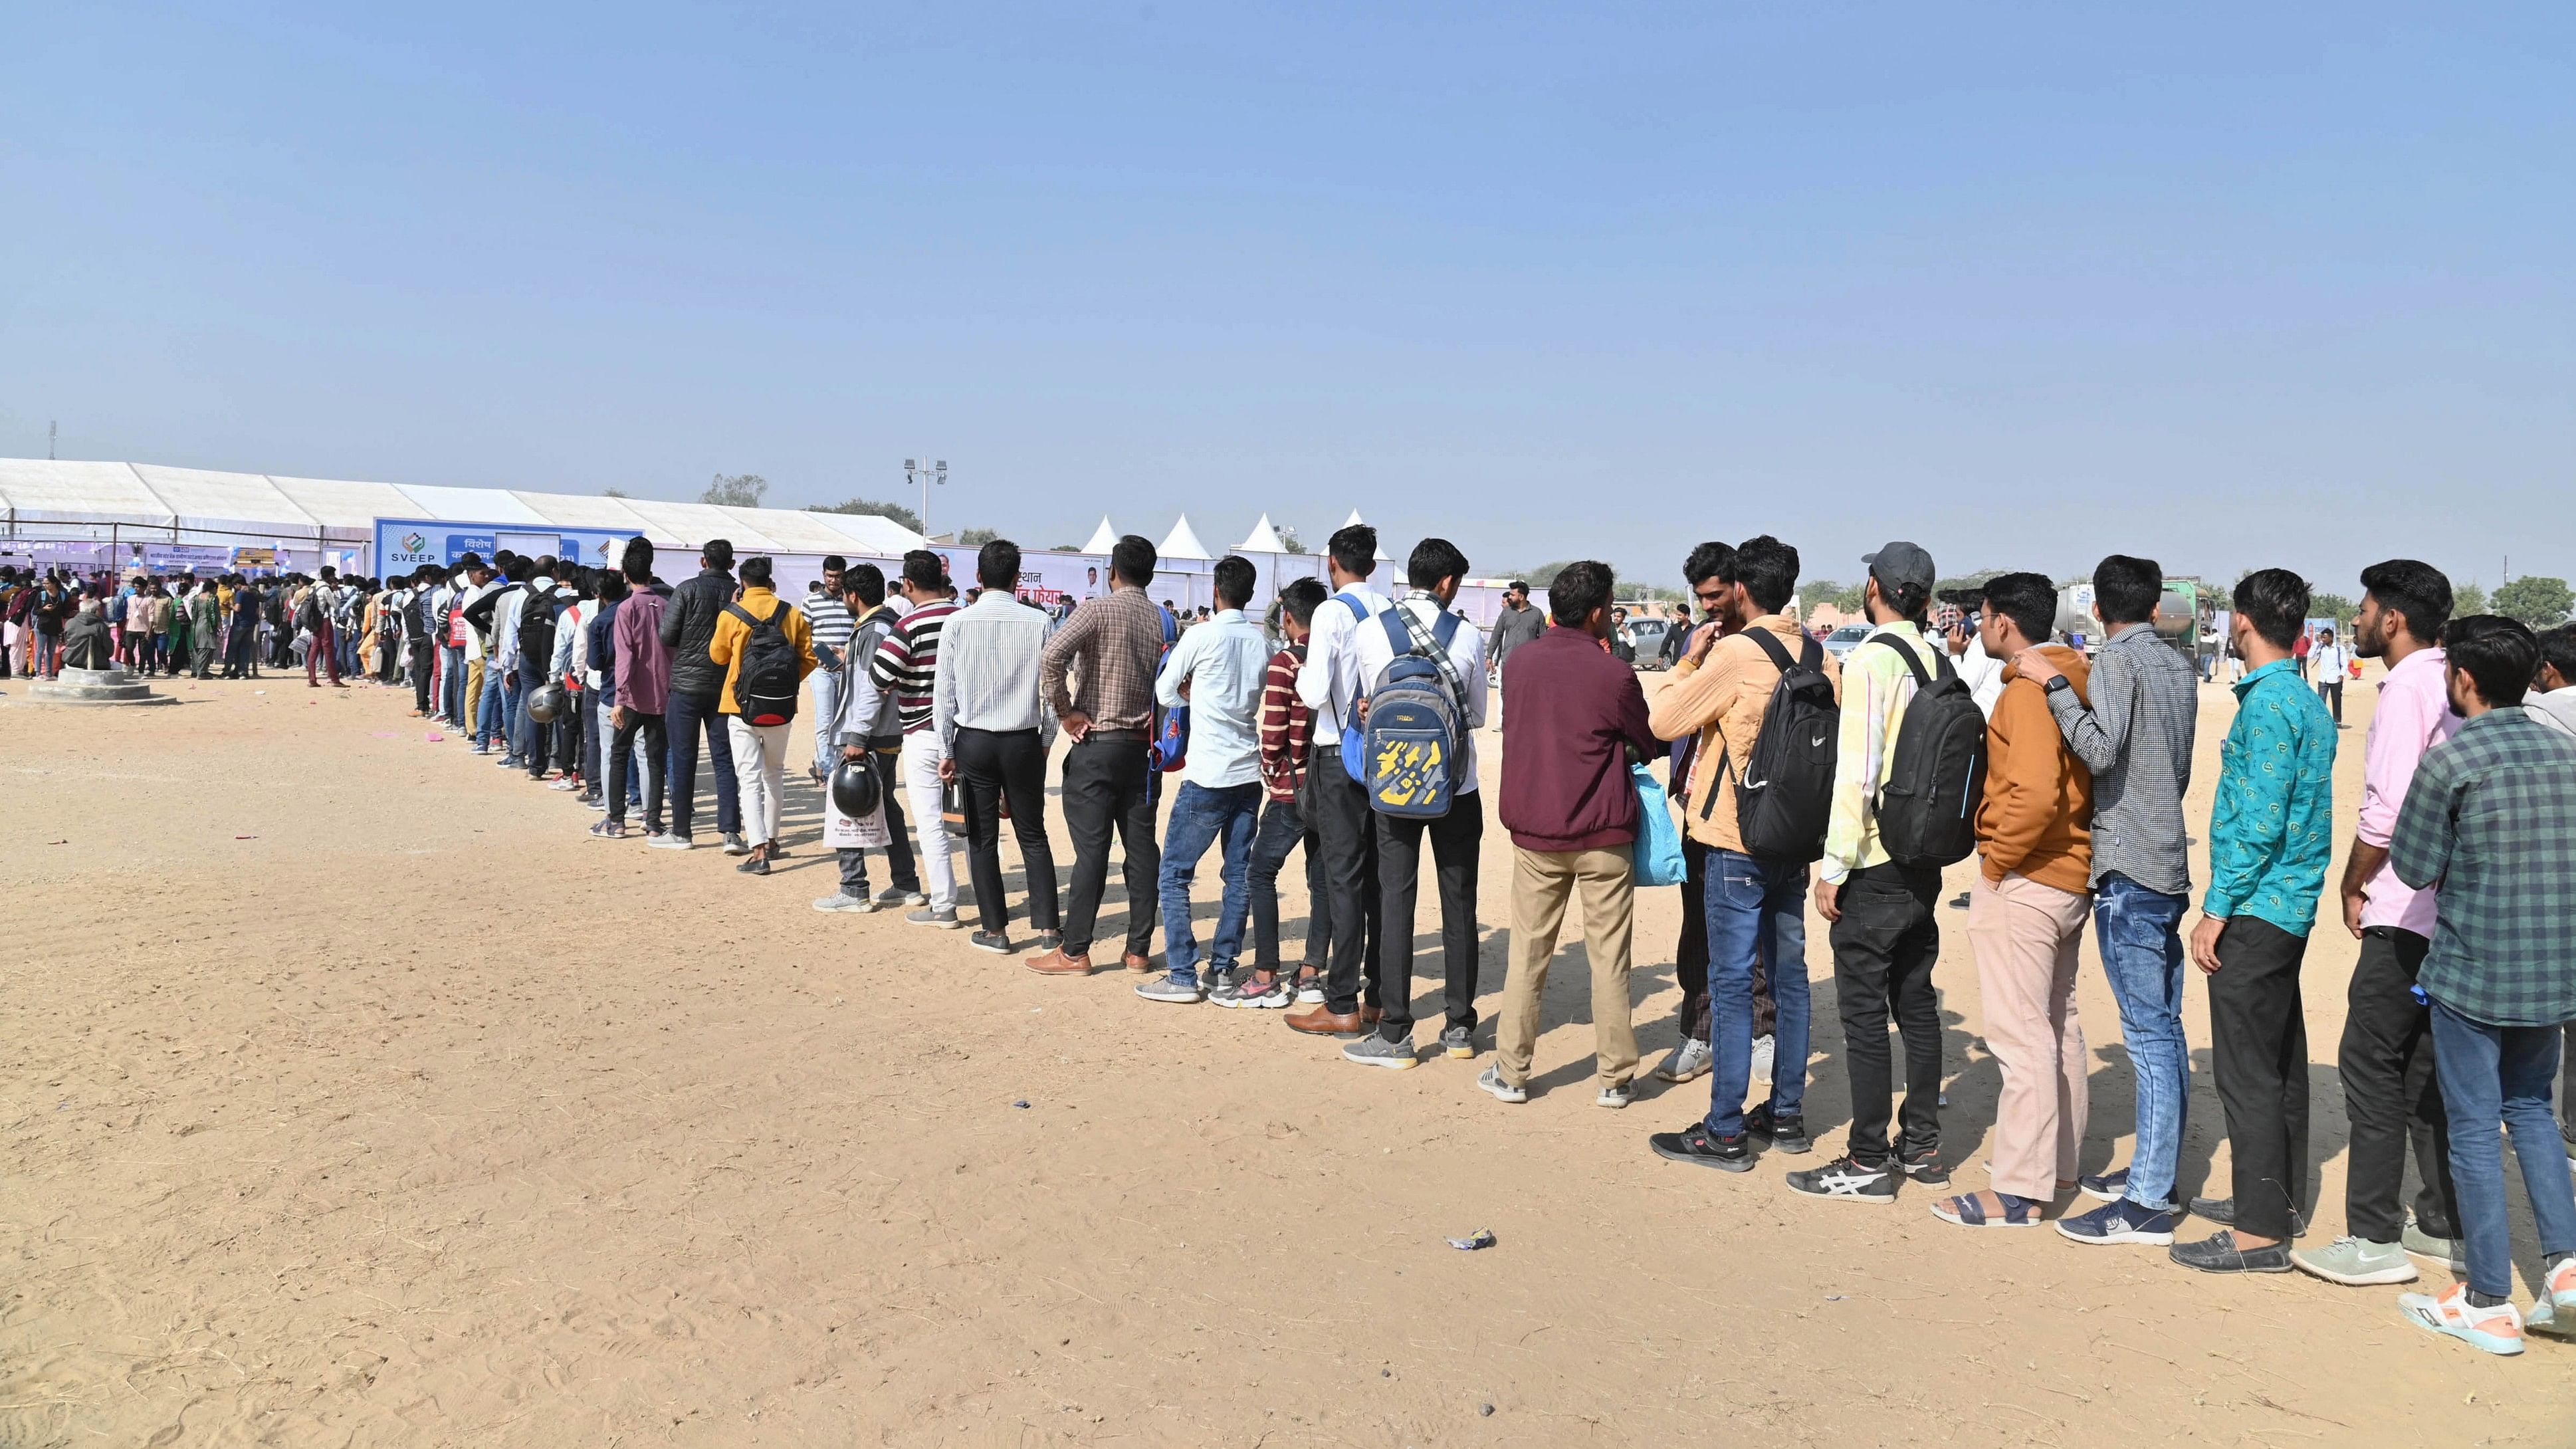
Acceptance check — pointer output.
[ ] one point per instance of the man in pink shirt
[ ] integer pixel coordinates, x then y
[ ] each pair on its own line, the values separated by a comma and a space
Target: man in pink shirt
2386, 1058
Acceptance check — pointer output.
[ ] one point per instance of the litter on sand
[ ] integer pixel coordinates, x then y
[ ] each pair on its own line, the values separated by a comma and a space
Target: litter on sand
1022, 1104
1481, 1238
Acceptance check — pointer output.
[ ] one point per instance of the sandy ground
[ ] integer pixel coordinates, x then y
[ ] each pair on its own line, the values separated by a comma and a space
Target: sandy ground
353, 1096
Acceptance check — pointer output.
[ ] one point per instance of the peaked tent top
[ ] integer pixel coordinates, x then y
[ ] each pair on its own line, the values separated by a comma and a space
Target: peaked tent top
1382, 555
1262, 539
1182, 543
1103, 539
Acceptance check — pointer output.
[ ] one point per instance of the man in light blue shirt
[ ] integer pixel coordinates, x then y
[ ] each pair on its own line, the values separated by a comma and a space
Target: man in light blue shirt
1215, 671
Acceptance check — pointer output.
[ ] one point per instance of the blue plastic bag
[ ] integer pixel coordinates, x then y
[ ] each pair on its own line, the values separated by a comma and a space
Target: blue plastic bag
1659, 838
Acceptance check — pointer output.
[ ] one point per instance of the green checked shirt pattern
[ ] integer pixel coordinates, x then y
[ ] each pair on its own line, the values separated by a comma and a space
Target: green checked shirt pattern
2274, 827
2490, 824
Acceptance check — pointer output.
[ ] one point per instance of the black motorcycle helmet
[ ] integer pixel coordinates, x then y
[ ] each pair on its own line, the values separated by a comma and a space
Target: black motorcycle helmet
854, 789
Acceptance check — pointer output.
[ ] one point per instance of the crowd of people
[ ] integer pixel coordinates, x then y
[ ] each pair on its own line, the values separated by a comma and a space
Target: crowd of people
1346, 719
185, 625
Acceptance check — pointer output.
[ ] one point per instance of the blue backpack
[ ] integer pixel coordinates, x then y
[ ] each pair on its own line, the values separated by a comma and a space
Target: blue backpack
1417, 721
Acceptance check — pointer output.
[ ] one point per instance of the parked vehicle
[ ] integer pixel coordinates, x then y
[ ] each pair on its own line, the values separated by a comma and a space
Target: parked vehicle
1649, 634
1845, 639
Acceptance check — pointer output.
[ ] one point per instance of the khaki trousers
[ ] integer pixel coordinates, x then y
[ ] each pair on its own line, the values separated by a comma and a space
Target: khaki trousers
2024, 935
1541, 883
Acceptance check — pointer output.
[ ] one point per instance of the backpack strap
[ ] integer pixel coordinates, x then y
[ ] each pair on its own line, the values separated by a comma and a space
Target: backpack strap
1407, 635
1913, 661
1771, 645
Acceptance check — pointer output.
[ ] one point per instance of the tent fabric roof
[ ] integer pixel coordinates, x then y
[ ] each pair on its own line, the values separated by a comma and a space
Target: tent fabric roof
1182, 543
335, 503
40, 490
873, 533
44, 490
1103, 539
1262, 539
583, 510
198, 498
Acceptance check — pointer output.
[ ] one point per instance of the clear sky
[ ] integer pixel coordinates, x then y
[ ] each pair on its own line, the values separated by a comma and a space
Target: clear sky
2231, 285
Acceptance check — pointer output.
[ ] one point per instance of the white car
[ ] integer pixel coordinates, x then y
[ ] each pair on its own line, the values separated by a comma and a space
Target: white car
1845, 639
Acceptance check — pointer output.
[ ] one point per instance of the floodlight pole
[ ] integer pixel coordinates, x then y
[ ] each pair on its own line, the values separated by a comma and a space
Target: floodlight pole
924, 474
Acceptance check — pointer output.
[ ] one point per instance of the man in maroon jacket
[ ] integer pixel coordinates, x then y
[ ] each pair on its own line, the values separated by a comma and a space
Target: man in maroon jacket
1571, 809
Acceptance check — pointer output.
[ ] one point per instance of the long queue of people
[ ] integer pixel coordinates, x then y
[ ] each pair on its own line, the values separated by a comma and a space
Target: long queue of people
1349, 726
183, 625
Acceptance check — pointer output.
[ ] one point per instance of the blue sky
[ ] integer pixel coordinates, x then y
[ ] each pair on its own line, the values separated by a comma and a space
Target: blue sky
2230, 285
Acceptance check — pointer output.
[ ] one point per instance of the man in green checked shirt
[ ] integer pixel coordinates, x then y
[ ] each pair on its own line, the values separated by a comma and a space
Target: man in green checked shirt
2268, 846
2490, 823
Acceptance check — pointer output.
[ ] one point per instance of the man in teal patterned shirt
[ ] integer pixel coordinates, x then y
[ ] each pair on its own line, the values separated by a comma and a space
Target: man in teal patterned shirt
2268, 847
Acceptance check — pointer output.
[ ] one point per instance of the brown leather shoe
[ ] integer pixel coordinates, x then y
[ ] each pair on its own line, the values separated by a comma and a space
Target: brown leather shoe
1370, 1015
1056, 963
1139, 963
1323, 1021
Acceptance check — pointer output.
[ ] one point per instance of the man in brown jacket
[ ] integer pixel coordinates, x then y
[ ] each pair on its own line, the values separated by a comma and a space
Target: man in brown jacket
2026, 912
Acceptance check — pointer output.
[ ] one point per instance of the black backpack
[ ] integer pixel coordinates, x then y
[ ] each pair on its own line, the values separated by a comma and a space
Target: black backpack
537, 631
1927, 811
1785, 791
766, 677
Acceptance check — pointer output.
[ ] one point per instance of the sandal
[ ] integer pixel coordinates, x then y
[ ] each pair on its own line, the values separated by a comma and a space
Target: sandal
1969, 1211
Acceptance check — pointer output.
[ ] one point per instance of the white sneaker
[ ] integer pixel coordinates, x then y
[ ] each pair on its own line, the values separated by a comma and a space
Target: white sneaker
2497, 1330
1762, 1052
853, 905
1616, 1097
1688, 1063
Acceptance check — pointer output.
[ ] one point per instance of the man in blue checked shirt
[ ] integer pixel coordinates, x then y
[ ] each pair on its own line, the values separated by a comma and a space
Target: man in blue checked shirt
2268, 847
2490, 824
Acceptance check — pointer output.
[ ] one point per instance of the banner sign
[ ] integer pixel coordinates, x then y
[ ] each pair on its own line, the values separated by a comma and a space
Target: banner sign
161, 558
1045, 578
254, 558
404, 544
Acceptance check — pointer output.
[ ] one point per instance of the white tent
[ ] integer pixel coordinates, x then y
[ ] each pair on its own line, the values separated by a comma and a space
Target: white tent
90, 499
1262, 539
1382, 555
1182, 545
1103, 539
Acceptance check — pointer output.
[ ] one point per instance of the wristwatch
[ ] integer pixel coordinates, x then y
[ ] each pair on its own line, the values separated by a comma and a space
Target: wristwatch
2060, 682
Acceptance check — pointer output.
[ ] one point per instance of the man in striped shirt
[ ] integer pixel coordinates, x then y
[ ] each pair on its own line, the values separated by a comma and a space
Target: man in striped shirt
904, 666
1285, 739
829, 619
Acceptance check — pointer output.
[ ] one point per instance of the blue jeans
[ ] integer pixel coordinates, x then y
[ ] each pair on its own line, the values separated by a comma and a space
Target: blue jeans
1755, 906
2139, 932
491, 722
451, 684
514, 724
1201, 815
684, 716
2492, 1073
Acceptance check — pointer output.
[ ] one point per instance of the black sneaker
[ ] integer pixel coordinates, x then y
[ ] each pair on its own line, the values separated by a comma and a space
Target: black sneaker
755, 865
1849, 1179
993, 941
1697, 1144
2221, 1255
1923, 1165
1789, 1134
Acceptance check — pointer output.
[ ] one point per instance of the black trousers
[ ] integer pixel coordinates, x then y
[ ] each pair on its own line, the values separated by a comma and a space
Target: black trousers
1010, 765
2258, 1050
1457, 838
1283, 828
1884, 947
2389, 1092
1108, 786
1337, 806
621, 758
421, 659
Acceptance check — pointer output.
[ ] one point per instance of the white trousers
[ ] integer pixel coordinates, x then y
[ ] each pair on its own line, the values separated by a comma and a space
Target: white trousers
921, 756
760, 773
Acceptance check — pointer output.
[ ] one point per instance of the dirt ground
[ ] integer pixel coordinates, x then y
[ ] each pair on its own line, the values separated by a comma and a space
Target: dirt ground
353, 1096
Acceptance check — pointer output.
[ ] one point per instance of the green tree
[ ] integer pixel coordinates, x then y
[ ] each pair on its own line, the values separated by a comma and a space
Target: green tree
1544, 575
2534, 600
612, 492
977, 537
1846, 597
2469, 598
870, 506
2331, 606
1289, 540
738, 490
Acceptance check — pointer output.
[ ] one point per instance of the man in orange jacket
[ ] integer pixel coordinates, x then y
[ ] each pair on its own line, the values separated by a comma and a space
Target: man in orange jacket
2026, 913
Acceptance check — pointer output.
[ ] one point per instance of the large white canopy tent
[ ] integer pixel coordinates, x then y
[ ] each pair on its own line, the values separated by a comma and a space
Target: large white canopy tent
153, 503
